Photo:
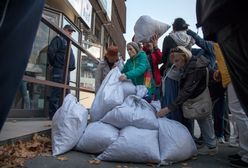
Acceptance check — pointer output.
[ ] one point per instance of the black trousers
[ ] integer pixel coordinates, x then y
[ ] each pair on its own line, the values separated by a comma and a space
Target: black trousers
19, 21
233, 40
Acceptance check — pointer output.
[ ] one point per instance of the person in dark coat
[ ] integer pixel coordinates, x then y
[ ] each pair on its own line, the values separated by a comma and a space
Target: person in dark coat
56, 56
178, 37
225, 22
192, 83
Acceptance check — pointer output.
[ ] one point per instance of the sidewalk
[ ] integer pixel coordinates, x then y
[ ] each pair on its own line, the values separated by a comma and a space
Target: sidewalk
76, 159
21, 129
14, 130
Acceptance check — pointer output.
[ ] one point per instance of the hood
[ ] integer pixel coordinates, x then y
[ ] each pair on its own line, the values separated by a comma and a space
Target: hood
182, 39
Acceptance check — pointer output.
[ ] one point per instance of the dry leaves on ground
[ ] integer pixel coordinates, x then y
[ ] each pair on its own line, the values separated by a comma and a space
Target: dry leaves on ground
62, 158
14, 155
94, 161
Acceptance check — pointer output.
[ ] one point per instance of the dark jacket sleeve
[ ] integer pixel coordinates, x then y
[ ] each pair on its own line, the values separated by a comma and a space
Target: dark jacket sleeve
205, 45
52, 49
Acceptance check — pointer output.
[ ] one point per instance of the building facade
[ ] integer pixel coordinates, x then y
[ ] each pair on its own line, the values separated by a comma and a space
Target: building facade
98, 24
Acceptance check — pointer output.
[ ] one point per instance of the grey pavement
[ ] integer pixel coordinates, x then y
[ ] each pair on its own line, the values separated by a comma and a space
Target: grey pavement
17, 129
80, 160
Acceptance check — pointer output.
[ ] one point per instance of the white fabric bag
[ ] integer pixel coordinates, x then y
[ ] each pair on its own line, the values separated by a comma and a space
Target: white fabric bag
175, 141
68, 123
133, 112
141, 91
133, 145
97, 137
145, 27
111, 93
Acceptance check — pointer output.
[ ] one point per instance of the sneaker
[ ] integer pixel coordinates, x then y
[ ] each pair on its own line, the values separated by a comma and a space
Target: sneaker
221, 140
208, 151
234, 144
239, 163
234, 157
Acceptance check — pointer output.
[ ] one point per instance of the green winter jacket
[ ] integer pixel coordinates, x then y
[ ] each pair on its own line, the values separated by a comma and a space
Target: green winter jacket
135, 68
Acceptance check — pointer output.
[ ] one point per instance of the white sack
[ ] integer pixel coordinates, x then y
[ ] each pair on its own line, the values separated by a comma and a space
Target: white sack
133, 145
97, 137
133, 112
111, 93
68, 123
156, 104
141, 91
145, 27
175, 141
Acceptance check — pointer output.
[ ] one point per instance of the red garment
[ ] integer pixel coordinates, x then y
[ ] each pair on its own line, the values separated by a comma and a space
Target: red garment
156, 59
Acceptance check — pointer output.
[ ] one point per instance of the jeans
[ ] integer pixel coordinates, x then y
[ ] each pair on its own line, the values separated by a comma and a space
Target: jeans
171, 90
18, 28
56, 93
218, 114
207, 131
241, 120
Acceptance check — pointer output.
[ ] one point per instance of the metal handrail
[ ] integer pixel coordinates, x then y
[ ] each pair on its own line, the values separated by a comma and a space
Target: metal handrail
61, 32
68, 38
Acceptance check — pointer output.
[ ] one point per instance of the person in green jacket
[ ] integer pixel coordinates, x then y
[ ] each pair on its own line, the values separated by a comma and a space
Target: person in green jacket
138, 70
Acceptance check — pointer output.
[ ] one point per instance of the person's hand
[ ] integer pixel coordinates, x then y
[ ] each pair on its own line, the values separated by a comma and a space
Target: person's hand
217, 76
123, 77
163, 112
50, 67
154, 40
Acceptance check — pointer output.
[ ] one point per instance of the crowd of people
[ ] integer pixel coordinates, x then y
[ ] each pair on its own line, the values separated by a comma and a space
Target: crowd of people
184, 74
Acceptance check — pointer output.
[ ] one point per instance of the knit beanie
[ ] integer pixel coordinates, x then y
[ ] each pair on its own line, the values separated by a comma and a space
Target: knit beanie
134, 45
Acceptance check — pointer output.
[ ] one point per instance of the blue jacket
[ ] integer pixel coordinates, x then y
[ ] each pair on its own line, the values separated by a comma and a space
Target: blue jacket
206, 50
57, 51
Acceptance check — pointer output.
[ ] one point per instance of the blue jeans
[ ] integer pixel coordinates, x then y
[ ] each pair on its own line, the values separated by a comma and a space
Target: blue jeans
207, 131
56, 93
218, 114
171, 93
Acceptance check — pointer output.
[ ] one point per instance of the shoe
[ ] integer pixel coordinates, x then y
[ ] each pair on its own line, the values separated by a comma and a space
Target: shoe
221, 140
234, 157
208, 151
239, 163
234, 144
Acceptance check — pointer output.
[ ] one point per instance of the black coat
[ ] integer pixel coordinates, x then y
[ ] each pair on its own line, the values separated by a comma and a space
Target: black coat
57, 52
192, 82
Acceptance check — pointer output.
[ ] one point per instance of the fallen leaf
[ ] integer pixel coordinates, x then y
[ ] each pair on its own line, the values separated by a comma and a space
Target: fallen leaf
94, 161
62, 158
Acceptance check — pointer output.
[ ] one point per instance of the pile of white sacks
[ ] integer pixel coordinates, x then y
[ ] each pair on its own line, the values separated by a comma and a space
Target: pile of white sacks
123, 127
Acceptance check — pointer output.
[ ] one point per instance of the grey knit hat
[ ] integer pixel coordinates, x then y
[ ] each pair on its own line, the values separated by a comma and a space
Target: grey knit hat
134, 45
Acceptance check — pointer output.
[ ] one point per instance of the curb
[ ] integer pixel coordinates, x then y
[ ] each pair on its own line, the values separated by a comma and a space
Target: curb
25, 137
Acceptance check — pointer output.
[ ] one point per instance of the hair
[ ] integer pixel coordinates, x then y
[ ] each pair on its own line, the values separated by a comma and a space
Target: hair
112, 51
181, 49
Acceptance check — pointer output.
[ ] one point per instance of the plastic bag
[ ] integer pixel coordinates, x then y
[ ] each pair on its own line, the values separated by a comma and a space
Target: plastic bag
145, 27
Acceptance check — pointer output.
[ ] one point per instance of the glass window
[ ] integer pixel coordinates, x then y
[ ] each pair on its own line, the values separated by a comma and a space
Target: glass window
31, 97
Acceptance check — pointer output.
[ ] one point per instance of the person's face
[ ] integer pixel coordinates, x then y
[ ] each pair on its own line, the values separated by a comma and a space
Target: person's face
178, 59
148, 45
68, 32
131, 51
112, 58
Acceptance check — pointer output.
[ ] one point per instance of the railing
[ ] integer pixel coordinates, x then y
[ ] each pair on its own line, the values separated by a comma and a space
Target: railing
64, 85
